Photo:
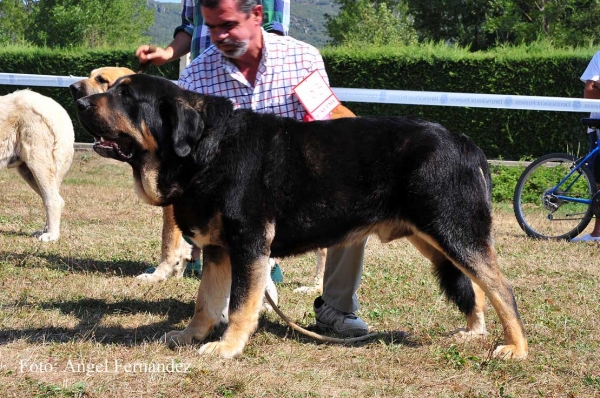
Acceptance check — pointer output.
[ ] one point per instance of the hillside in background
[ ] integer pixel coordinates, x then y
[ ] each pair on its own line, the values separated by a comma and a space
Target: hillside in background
307, 22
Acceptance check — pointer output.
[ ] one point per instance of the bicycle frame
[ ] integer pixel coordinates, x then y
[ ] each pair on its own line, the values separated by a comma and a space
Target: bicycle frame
578, 166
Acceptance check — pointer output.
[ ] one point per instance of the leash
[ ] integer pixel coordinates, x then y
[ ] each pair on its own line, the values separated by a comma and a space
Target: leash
316, 336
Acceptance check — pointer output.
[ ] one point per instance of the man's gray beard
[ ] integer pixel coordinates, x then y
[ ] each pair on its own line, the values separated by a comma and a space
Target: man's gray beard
238, 52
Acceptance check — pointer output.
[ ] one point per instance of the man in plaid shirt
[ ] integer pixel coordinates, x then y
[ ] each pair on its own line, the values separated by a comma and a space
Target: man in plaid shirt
256, 69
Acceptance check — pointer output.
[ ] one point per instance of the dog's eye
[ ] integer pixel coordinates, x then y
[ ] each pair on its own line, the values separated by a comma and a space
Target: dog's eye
101, 80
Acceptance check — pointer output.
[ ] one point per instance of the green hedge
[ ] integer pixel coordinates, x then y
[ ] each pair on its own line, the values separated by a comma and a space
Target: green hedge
501, 133
508, 134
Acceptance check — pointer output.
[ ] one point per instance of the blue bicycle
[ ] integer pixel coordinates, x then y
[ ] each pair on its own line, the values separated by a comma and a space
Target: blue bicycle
555, 197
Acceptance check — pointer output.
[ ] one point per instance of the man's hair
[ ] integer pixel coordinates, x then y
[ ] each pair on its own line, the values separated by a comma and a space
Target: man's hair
244, 6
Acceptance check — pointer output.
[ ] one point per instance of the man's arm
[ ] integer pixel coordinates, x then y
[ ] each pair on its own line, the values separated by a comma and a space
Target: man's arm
592, 89
182, 40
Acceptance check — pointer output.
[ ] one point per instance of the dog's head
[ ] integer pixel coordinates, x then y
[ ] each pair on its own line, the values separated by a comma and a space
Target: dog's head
148, 121
100, 81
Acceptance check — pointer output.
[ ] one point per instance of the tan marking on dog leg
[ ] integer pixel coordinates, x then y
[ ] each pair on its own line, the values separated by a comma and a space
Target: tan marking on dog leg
476, 319
493, 284
501, 296
243, 320
174, 253
211, 302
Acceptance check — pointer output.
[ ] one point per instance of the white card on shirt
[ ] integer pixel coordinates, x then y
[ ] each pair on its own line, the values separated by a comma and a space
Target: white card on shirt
316, 96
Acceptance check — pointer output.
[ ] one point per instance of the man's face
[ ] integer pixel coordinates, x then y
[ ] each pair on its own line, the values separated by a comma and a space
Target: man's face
231, 30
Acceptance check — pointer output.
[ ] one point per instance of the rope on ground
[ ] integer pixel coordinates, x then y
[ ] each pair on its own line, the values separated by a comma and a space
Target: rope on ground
316, 336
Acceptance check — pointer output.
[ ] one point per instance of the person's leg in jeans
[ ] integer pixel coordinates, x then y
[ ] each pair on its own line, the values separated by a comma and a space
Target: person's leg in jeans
335, 308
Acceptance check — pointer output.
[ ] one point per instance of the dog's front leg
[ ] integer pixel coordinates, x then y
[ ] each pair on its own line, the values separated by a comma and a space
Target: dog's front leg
174, 251
212, 299
249, 279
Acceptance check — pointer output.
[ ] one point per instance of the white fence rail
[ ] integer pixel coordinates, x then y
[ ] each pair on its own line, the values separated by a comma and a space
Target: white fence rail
498, 101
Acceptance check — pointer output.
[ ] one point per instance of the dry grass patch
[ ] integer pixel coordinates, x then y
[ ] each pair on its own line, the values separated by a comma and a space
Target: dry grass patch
75, 322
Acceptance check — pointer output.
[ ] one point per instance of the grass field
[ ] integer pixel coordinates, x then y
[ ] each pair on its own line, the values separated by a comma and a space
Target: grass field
74, 322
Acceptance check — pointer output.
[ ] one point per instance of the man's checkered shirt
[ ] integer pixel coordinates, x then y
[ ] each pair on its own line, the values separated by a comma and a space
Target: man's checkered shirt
285, 63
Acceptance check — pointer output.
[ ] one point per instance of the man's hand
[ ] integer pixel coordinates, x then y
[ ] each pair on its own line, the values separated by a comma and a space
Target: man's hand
159, 56
153, 54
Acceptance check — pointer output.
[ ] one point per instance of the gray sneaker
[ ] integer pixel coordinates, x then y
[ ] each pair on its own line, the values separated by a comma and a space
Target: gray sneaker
346, 324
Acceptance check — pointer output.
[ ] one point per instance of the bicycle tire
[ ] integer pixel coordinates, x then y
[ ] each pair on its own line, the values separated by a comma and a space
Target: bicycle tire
543, 219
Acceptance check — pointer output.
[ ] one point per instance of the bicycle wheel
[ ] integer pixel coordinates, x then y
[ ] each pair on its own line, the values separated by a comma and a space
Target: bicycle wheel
543, 216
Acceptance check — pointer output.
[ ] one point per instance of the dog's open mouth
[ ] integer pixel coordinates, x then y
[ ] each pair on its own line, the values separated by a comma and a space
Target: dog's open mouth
121, 150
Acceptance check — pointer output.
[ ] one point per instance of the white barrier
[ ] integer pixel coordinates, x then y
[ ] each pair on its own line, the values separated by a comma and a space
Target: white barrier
22, 79
498, 101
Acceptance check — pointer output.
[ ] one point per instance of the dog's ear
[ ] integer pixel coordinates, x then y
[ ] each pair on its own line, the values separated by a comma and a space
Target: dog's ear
185, 125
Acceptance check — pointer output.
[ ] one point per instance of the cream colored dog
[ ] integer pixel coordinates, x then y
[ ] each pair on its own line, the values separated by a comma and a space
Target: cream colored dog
36, 138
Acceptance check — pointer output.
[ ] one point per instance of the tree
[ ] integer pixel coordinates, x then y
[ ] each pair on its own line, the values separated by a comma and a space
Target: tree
377, 22
71, 23
562, 22
481, 24
13, 20
453, 21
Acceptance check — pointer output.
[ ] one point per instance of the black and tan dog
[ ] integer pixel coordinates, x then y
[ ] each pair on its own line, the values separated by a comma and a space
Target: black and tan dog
247, 186
175, 252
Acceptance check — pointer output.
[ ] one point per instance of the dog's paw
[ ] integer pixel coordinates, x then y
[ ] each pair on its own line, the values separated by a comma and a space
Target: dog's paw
509, 352
221, 349
45, 236
177, 338
463, 334
151, 278
307, 290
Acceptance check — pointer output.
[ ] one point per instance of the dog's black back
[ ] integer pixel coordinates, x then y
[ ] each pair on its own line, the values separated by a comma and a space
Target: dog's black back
317, 181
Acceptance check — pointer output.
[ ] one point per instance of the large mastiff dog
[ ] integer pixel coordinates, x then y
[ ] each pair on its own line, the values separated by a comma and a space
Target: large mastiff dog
175, 252
246, 186
36, 138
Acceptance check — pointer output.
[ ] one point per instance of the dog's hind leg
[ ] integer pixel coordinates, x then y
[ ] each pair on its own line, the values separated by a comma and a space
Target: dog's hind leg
484, 271
457, 287
480, 266
44, 182
212, 300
